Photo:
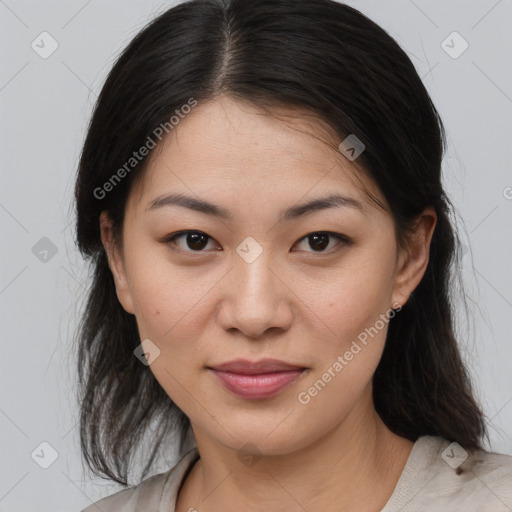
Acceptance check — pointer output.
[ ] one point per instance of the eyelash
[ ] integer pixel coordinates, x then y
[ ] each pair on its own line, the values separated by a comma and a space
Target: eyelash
344, 240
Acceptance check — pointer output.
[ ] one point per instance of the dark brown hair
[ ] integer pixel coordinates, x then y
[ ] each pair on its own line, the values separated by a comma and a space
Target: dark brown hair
317, 55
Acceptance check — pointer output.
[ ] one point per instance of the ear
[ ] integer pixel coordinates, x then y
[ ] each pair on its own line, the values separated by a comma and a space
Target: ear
116, 263
413, 260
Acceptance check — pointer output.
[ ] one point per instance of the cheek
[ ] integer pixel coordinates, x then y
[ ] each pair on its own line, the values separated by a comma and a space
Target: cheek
357, 336
165, 296
354, 298
169, 306
347, 360
355, 307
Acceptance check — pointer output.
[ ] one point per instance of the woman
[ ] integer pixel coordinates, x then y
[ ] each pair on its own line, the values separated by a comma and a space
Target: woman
260, 196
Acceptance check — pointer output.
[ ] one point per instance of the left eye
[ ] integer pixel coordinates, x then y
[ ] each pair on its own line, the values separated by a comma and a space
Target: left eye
319, 240
197, 241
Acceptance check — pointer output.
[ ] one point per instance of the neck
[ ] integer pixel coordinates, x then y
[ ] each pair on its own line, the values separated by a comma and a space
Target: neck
354, 467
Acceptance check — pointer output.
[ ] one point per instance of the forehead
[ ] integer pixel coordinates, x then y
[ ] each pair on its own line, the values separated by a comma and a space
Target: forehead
226, 148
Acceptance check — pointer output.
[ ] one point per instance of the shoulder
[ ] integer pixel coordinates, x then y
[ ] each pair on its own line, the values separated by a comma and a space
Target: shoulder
449, 477
147, 492
150, 493
468, 466
488, 476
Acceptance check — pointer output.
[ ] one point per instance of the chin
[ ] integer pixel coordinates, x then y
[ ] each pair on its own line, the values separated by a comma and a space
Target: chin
274, 439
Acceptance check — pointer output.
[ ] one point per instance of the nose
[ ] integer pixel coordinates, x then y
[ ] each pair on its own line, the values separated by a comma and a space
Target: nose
256, 299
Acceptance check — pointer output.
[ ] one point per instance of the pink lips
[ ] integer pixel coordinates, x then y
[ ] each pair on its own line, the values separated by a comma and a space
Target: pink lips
256, 380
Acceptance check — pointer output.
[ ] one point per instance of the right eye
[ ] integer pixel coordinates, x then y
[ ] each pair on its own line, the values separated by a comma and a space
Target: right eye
194, 240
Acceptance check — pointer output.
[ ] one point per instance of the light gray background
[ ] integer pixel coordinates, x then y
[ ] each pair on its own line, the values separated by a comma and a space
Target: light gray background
45, 106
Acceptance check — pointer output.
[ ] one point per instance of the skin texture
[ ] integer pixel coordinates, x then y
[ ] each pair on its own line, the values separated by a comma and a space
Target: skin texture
293, 303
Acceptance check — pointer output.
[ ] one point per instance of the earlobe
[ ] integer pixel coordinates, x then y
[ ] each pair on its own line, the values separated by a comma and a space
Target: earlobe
414, 259
116, 263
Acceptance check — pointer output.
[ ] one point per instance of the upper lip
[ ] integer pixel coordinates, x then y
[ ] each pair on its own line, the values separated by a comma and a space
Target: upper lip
246, 367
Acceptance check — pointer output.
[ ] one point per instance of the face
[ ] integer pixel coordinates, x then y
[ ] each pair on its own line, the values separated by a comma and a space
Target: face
312, 288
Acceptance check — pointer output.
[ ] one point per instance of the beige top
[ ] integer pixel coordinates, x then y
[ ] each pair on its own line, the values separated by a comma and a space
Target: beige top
429, 482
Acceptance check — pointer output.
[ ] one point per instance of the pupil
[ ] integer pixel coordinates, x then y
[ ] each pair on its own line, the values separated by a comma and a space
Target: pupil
320, 241
194, 240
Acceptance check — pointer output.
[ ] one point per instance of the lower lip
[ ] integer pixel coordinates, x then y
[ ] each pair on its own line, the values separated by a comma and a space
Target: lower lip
258, 386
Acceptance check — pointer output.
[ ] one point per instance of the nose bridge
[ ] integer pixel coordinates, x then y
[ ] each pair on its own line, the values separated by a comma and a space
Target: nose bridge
253, 275
256, 293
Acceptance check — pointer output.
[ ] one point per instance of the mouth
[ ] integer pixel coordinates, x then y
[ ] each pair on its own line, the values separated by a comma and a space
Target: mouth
257, 380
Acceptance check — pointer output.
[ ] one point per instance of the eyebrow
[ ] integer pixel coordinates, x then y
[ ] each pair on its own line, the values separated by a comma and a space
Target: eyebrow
294, 212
